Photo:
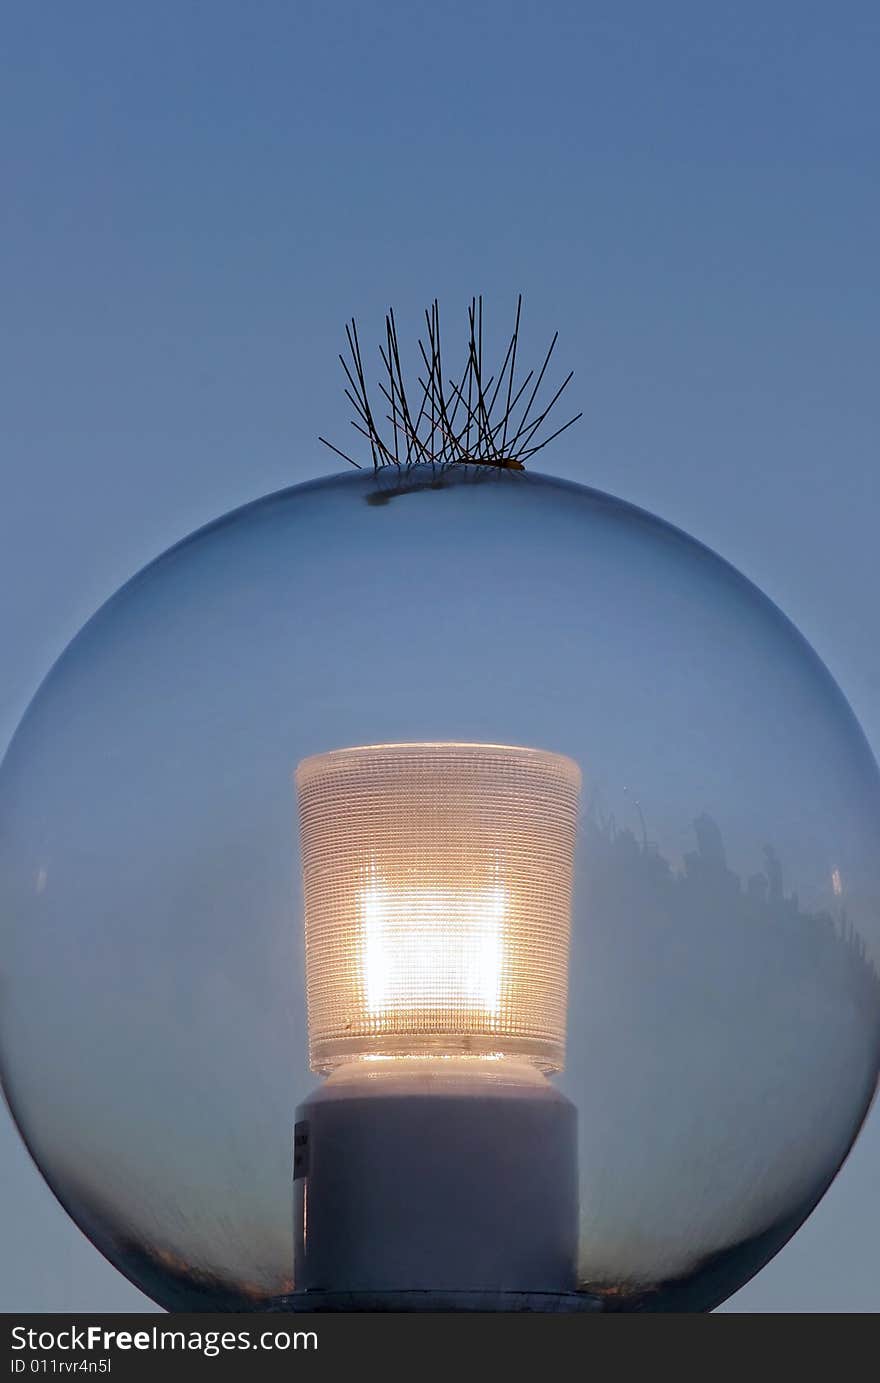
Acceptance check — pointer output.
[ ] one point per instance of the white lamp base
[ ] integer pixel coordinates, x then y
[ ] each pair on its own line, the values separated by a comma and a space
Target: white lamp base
449, 1176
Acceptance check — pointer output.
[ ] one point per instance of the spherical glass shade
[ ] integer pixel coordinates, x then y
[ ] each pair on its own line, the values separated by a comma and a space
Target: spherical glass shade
723, 1018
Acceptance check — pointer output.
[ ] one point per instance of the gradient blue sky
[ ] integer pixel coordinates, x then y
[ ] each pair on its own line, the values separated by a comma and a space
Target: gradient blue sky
196, 196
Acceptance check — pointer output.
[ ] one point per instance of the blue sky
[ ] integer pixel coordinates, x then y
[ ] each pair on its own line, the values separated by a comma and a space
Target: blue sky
196, 197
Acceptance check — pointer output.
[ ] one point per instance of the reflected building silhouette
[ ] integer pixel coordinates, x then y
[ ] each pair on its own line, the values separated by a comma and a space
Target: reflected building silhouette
738, 1001
621, 871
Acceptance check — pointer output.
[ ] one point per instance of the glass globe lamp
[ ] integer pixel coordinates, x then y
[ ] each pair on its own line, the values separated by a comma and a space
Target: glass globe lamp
439, 792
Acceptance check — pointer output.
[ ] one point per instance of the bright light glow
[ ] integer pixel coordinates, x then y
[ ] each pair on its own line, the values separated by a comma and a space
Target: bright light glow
429, 948
437, 883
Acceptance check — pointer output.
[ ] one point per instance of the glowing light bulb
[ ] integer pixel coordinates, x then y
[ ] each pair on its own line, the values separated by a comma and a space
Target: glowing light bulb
437, 884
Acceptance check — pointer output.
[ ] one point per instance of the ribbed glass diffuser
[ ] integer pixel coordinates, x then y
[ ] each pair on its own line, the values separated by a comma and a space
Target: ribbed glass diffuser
437, 883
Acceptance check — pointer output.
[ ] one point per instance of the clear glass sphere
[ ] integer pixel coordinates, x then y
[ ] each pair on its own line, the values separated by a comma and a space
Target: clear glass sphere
724, 1009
